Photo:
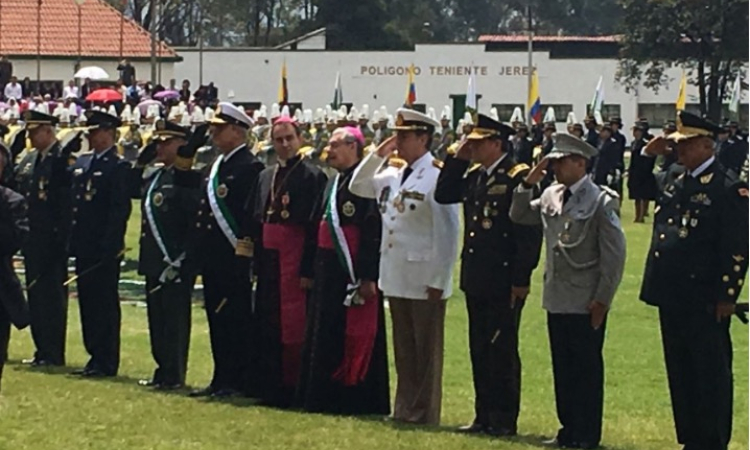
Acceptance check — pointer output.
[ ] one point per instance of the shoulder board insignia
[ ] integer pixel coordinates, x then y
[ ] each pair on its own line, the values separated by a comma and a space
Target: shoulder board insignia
474, 167
452, 148
396, 162
517, 169
437, 163
705, 179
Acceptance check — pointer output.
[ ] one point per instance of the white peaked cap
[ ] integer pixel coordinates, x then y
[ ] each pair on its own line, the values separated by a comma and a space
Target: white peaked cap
210, 114
197, 116
340, 115
230, 113
275, 110
549, 116
493, 114
383, 112
256, 115
517, 115
446, 114
376, 116
298, 115
328, 111
571, 118
468, 120
342, 110
353, 114
411, 119
263, 111
137, 116
285, 111
320, 115
365, 113
112, 111
308, 116
431, 113
390, 121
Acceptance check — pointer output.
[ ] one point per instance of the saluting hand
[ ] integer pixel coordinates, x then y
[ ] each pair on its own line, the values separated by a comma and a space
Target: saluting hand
464, 150
598, 312
657, 146
538, 172
386, 147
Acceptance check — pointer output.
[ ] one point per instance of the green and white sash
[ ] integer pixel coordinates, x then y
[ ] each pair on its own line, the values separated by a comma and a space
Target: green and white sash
172, 271
221, 212
341, 246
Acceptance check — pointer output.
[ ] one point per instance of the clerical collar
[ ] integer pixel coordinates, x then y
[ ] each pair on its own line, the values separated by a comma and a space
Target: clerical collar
286, 162
494, 165
230, 154
702, 168
577, 185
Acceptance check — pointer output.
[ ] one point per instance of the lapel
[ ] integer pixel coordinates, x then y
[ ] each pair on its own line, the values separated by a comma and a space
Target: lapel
580, 202
418, 173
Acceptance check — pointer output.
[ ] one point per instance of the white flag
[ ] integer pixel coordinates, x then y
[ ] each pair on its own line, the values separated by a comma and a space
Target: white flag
734, 99
471, 93
598, 100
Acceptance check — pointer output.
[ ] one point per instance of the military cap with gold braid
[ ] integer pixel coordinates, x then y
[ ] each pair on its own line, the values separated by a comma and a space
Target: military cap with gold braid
691, 126
33, 119
165, 131
487, 127
411, 120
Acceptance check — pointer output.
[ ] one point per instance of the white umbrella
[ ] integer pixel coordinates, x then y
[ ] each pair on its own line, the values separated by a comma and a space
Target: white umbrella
92, 72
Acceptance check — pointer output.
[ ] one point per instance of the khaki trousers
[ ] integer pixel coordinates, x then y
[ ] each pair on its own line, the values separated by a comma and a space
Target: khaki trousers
418, 349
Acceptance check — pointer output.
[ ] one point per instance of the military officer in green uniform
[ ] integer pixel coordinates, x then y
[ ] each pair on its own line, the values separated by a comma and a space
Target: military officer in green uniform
694, 273
43, 179
496, 265
166, 210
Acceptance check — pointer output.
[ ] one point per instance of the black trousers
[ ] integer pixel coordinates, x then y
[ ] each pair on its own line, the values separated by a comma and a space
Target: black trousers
4, 339
495, 362
698, 356
228, 308
48, 303
169, 328
99, 305
578, 370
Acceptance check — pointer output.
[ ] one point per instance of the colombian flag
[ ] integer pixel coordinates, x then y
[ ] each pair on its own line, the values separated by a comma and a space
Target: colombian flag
534, 103
411, 93
283, 90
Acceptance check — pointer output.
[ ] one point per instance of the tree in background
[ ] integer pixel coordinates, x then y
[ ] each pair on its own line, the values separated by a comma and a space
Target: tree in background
708, 38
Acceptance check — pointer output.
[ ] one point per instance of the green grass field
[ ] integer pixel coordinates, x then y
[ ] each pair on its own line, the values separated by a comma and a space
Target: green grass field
41, 410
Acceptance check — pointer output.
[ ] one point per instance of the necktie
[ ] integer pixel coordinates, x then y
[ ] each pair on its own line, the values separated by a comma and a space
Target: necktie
566, 196
407, 172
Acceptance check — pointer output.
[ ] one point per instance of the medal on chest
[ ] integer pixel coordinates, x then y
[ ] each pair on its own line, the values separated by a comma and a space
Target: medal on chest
42, 191
348, 208
285, 199
90, 191
398, 202
222, 190
683, 231
565, 235
158, 199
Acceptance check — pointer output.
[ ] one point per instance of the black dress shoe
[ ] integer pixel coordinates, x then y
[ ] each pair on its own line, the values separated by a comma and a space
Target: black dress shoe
80, 372
472, 428
96, 373
148, 383
205, 392
225, 393
169, 386
587, 445
500, 431
554, 442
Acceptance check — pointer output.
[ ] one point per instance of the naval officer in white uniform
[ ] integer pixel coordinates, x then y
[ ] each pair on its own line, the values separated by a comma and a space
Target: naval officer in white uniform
418, 250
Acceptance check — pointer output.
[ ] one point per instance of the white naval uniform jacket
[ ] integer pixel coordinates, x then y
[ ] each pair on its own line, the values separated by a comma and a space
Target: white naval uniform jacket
419, 242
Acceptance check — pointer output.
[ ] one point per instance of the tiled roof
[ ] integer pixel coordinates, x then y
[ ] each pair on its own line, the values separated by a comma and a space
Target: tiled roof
524, 38
100, 30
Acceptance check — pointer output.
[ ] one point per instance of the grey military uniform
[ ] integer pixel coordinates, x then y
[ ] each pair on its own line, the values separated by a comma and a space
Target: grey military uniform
585, 244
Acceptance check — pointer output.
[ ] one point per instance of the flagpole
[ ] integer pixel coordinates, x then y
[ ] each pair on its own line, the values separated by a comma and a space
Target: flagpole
531, 59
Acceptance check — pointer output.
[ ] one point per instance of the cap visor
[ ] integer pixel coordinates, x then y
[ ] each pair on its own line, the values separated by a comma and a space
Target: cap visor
477, 136
679, 137
409, 128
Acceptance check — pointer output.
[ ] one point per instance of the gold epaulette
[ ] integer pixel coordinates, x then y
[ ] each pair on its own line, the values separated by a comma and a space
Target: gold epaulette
437, 163
517, 169
452, 148
182, 163
396, 162
474, 167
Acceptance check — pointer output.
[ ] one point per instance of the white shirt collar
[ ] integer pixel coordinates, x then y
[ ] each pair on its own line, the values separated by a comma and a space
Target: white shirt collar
577, 185
702, 168
230, 154
422, 160
99, 155
495, 164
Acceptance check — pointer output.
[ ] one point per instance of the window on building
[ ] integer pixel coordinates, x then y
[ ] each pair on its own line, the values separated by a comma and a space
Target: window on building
561, 111
505, 111
421, 107
657, 113
608, 112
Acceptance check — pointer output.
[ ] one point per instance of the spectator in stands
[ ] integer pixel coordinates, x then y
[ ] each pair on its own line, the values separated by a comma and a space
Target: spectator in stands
87, 88
185, 91
212, 92
27, 87
6, 70
71, 90
127, 72
13, 89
